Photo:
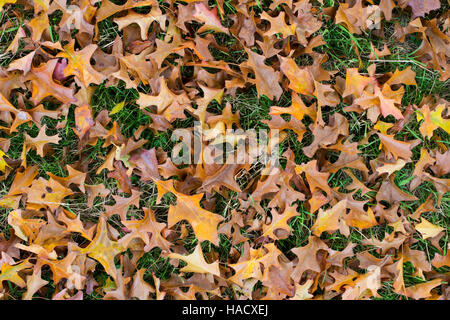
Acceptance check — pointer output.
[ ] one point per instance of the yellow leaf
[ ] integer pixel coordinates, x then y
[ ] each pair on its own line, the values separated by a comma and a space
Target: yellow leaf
427, 229
436, 118
432, 120
329, 220
103, 249
3, 2
383, 127
196, 262
117, 108
11, 273
3, 163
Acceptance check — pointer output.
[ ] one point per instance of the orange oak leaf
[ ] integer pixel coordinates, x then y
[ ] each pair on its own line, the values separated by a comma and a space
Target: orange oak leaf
145, 226
278, 25
44, 86
34, 283
422, 290
300, 80
279, 221
211, 21
83, 120
266, 78
79, 64
331, 219
38, 143
188, 208
38, 26
103, 249
251, 261
164, 100
11, 273
406, 76
298, 109
109, 8
307, 257
24, 228
46, 193
144, 21
76, 225
315, 178
398, 149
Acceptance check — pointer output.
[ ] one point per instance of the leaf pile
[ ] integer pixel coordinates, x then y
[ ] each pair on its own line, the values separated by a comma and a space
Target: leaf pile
93, 207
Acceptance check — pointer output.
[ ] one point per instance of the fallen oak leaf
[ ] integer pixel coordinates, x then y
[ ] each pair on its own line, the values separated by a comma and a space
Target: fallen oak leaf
266, 78
44, 86
140, 288
122, 204
188, 208
440, 261
38, 26
298, 109
24, 64
355, 83
24, 228
61, 268
307, 257
427, 229
406, 77
300, 80
103, 249
34, 283
3, 163
73, 177
391, 193
422, 290
390, 168
420, 8
368, 282
398, 149
209, 17
250, 263
11, 273
46, 193
302, 291
76, 225
23, 180
315, 178
14, 44
163, 100
196, 262
279, 221
83, 120
331, 219
144, 21
386, 6
38, 143
432, 120
278, 25
79, 64
109, 8
141, 229
21, 116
